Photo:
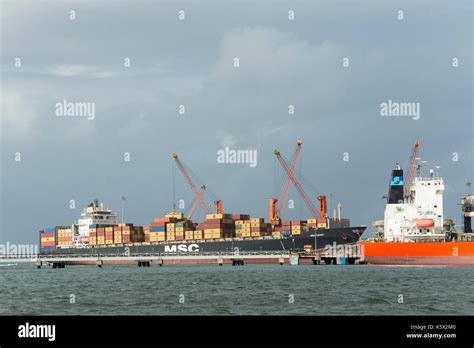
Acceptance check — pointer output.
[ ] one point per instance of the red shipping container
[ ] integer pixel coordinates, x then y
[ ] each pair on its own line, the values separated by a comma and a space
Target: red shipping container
156, 224
47, 234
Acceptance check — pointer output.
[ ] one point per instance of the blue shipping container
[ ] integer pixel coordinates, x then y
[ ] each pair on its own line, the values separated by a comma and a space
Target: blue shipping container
157, 229
49, 229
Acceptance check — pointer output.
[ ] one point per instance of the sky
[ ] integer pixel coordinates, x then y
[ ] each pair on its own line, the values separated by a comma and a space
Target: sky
50, 54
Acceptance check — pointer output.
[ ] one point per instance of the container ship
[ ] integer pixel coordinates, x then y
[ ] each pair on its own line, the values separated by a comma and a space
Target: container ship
414, 231
98, 232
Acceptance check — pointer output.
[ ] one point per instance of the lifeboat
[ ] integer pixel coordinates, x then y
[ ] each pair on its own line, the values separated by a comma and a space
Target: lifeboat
424, 223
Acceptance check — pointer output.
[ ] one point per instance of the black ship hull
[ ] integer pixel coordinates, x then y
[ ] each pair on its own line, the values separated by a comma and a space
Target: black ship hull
323, 238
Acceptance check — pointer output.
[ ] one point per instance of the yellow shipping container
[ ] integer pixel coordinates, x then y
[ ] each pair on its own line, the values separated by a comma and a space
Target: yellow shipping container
109, 229
47, 239
175, 215
312, 221
253, 220
276, 234
213, 230
295, 232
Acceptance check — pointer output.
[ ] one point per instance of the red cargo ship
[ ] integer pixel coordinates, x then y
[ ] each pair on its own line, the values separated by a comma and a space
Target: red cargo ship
414, 231
419, 253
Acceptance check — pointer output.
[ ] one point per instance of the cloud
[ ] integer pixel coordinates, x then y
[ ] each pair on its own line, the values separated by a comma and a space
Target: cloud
81, 70
19, 115
225, 139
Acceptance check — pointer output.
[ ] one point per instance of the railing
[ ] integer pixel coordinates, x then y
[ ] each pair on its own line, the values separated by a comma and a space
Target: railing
18, 256
134, 255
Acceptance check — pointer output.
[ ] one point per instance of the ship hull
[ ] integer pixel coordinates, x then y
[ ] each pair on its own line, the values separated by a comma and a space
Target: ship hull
324, 237
423, 254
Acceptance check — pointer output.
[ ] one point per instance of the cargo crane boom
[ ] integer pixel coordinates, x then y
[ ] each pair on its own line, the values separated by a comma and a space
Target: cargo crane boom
196, 202
314, 211
199, 198
411, 170
284, 195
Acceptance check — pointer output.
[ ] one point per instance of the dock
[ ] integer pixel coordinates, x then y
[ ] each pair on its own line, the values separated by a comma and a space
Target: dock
348, 255
152, 259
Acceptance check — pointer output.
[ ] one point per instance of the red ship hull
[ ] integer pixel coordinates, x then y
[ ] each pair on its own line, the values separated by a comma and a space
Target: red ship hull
429, 254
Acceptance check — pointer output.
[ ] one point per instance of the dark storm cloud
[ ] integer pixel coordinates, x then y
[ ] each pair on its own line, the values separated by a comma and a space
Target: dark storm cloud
190, 63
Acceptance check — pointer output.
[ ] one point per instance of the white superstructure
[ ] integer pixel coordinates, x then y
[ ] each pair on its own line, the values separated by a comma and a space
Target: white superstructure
418, 217
95, 214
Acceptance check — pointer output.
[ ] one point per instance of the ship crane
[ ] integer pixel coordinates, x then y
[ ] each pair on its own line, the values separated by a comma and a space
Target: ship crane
314, 211
275, 213
196, 202
199, 194
411, 170
218, 205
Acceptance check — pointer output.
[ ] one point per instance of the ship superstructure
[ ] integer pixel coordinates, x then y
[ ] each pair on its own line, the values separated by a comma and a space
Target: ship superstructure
95, 214
414, 231
419, 215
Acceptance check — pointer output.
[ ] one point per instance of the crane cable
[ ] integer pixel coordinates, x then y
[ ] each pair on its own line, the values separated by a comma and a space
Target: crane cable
174, 185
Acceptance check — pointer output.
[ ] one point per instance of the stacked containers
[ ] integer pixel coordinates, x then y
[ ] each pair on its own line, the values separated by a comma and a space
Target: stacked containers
297, 226
109, 235
64, 236
93, 234
285, 228
217, 226
258, 227
198, 234
157, 229
100, 235
312, 223
189, 231
182, 227
132, 234
48, 239
276, 231
118, 234
146, 232
242, 228
170, 231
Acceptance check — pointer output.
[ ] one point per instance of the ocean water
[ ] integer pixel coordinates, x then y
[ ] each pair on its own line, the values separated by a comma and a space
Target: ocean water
238, 290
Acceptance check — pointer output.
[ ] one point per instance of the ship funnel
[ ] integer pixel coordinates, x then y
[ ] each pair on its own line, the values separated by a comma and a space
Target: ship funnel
395, 191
